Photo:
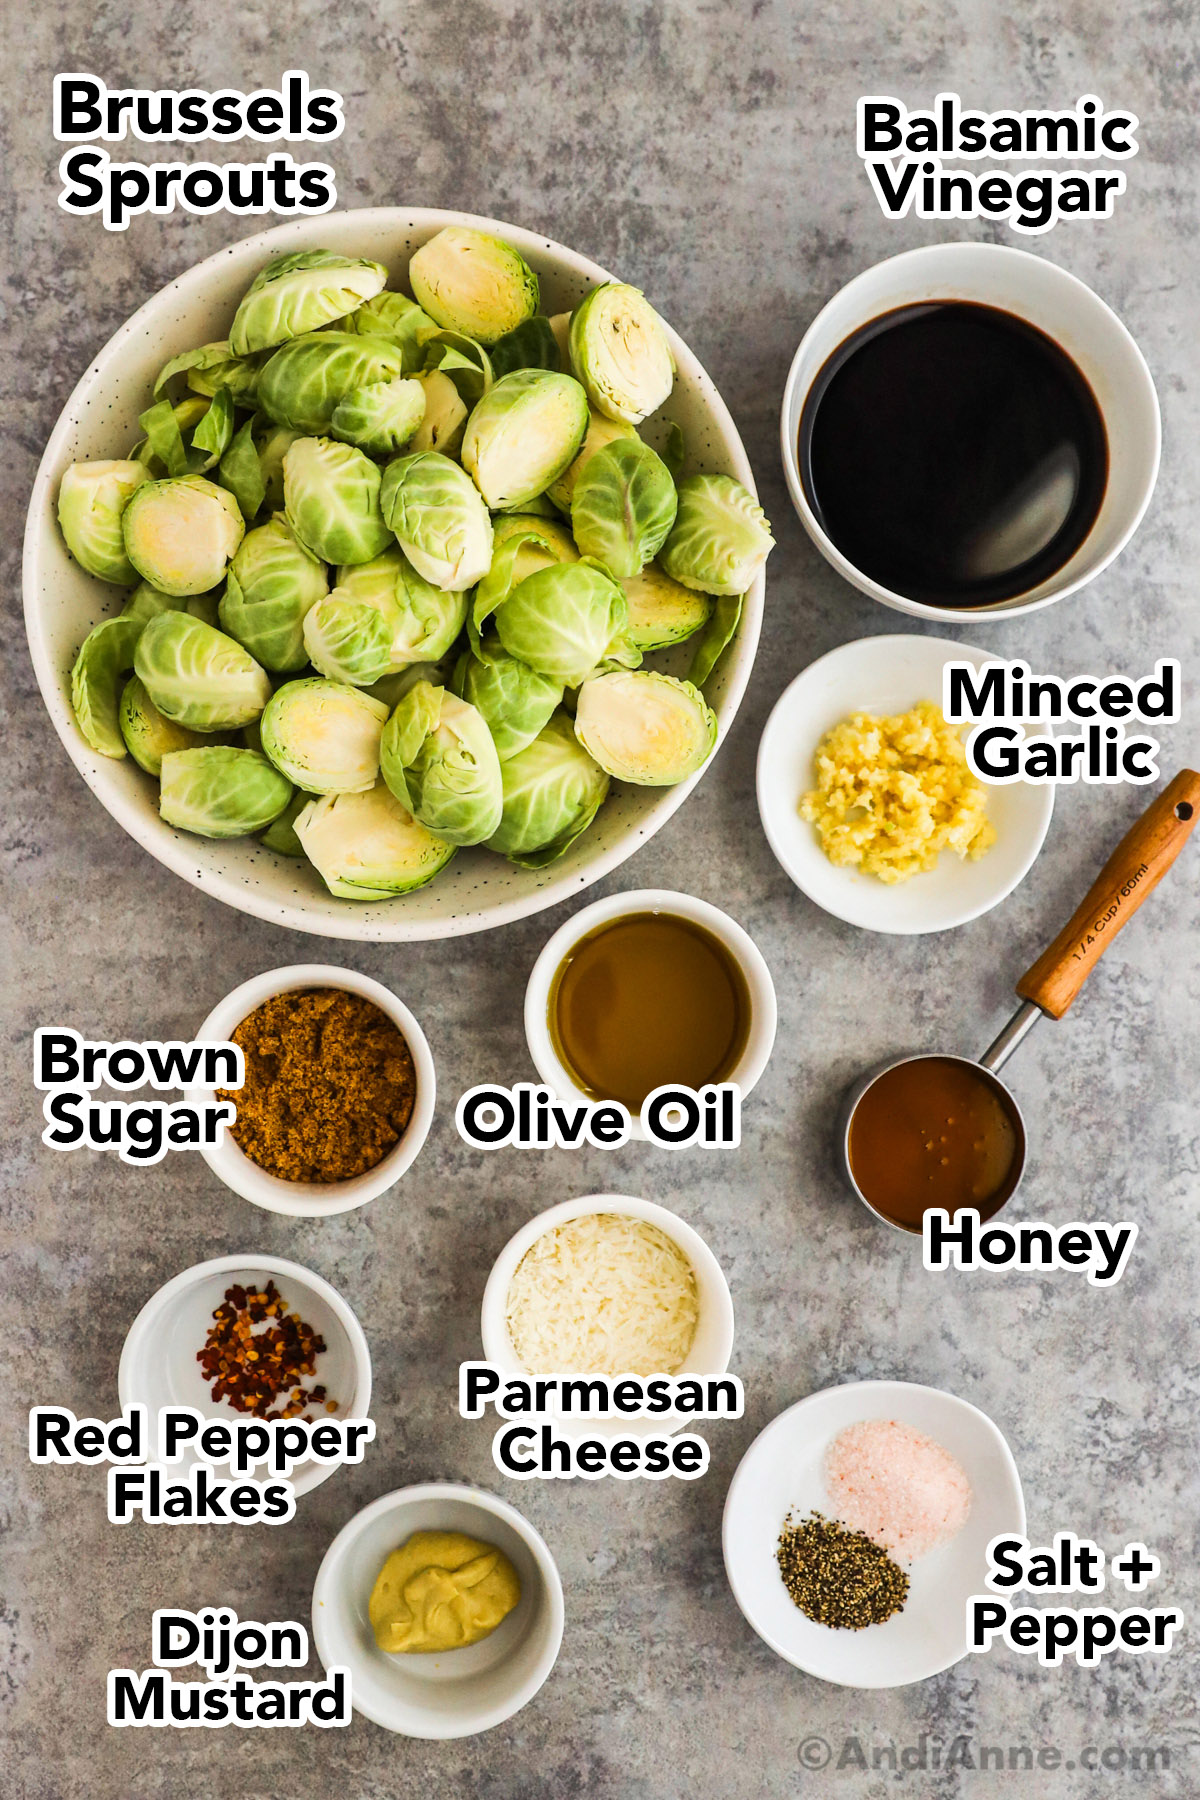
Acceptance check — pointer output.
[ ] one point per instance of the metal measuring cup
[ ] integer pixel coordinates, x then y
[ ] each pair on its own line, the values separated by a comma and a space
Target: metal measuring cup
1130, 875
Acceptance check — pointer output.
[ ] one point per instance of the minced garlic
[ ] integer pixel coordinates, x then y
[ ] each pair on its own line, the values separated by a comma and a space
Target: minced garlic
892, 794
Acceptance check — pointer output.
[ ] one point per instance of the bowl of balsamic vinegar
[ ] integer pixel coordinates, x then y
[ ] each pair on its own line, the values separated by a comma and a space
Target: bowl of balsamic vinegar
968, 430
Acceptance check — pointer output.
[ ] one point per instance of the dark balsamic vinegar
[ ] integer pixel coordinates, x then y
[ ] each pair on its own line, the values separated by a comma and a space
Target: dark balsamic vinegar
953, 453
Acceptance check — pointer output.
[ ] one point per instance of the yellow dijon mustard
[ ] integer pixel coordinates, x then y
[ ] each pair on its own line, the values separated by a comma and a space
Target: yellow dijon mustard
441, 1591
892, 794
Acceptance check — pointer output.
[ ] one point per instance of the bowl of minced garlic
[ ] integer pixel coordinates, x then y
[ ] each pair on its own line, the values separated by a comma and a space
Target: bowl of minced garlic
892, 793
338, 1094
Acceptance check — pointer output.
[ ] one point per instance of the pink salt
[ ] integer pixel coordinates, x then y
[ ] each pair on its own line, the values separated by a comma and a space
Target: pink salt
903, 1490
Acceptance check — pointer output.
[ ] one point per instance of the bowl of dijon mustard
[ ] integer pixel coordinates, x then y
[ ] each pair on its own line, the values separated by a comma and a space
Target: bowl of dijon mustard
445, 1605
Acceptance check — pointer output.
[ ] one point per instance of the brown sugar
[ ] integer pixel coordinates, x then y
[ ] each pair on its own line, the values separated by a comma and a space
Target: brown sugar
330, 1085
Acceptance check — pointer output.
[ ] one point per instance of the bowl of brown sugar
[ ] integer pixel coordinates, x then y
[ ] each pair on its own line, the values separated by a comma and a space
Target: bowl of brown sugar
337, 1096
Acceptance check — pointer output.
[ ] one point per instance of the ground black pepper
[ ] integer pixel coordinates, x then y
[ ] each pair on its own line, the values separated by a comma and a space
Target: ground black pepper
839, 1577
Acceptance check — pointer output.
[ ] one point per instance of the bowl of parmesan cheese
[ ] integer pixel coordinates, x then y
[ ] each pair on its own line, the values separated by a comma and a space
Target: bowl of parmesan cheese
608, 1285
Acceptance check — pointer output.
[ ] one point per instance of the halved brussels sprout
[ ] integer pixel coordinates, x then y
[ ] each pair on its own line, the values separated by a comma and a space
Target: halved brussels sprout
324, 736
471, 282
441, 522
210, 367
347, 640
515, 701
523, 434
304, 382
104, 656
422, 620
661, 612
552, 792
92, 497
645, 728
720, 539
620, 352
218, 791
623, 506
197, 676
280, 834
554, 542
398, 319
438, 758
380, 417
600, 431
564, 621
145, 603
300, 293
148, 736
445, 416
560, 325
181, 533
331, 498
367, 847
273, 582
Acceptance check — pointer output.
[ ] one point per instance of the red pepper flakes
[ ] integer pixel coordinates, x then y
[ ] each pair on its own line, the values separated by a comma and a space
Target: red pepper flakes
252, 1369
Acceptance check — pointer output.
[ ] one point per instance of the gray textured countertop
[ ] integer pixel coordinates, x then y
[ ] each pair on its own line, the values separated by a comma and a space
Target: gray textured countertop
706, 153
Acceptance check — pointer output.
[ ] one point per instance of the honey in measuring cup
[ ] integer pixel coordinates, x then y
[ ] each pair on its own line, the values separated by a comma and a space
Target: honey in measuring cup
934, 1132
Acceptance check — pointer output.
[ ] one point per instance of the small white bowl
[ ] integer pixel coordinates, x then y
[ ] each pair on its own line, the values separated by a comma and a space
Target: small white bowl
1056, 303
158, 1361
739, 943
460, 1692
314, 1199
782, 1472
884, 676
712, 1345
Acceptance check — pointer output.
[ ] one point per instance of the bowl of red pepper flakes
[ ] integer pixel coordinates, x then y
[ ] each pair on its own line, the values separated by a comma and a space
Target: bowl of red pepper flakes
253, 1335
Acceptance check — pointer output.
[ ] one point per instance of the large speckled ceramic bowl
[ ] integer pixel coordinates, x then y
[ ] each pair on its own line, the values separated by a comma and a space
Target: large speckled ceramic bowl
62, 603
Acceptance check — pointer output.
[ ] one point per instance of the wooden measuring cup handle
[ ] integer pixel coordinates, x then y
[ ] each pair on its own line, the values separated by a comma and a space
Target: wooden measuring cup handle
1132, 872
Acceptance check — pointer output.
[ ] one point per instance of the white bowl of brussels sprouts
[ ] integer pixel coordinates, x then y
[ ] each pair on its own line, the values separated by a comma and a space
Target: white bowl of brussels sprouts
388, 617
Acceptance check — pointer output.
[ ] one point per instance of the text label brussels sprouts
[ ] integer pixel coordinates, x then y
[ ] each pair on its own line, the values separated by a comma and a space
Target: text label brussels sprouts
523, 434
180, 534
439, 519
720, 539
623, 506
324, 736
368, 847
300, 293
197, 676
218, 791
92, 497
331, 498
644, 727
471, 282
438, 758
620, 352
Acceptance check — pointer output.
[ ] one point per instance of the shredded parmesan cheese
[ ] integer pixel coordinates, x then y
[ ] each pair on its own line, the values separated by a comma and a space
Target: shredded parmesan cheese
606, 1294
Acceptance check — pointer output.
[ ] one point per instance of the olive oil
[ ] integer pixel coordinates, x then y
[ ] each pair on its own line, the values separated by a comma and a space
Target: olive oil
647, 1001
954, 453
